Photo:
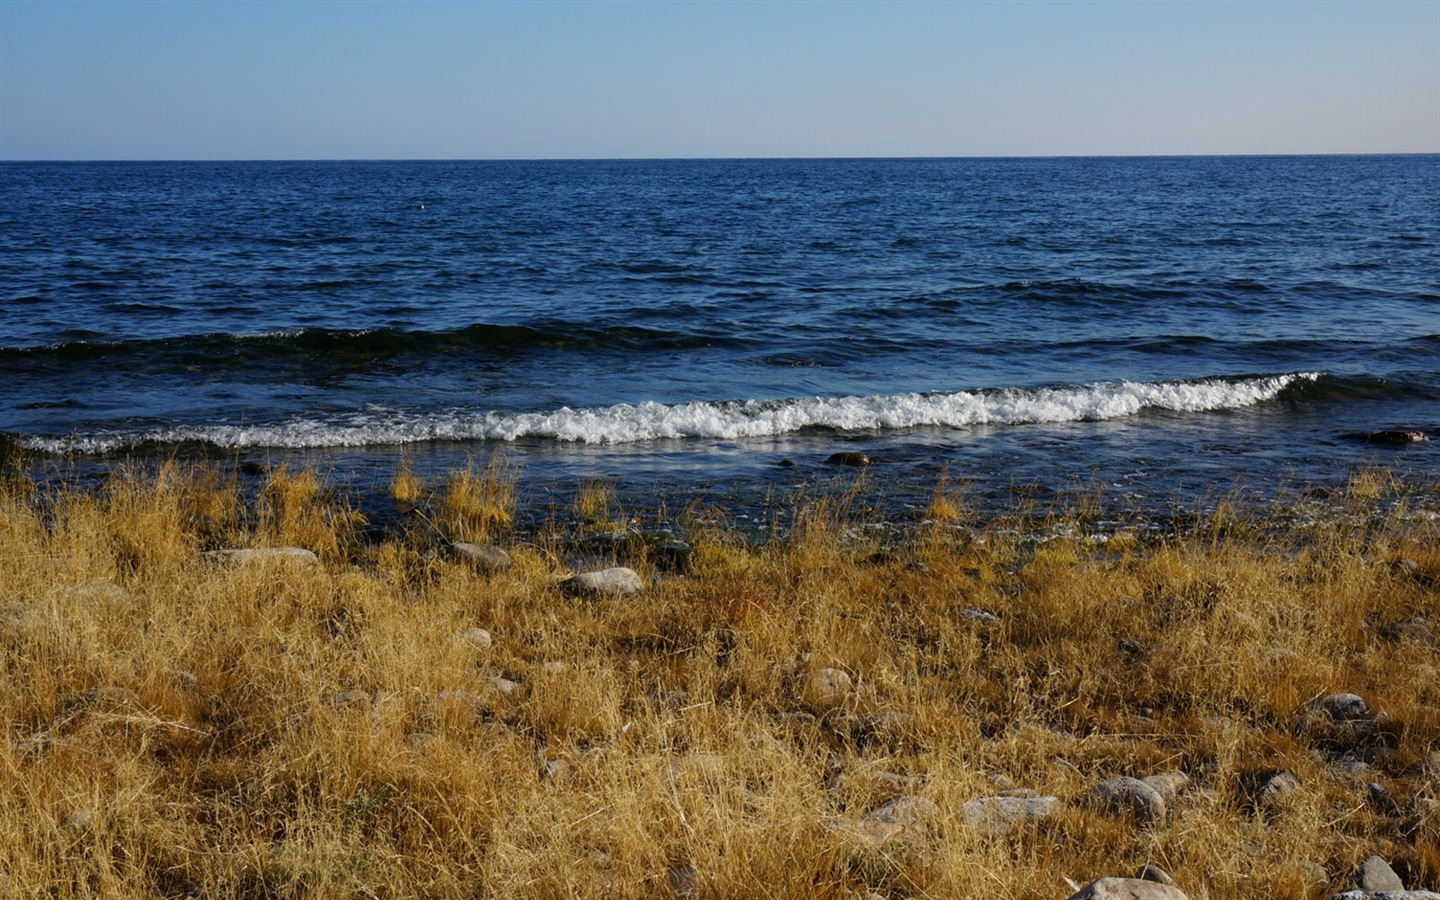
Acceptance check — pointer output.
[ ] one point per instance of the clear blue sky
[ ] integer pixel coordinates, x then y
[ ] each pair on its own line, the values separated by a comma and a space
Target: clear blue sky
256, 79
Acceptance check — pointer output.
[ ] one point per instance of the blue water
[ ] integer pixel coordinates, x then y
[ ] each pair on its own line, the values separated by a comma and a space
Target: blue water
1162, 327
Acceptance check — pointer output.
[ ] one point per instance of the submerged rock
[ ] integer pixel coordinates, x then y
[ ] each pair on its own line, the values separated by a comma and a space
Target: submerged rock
1396, 437
848, 458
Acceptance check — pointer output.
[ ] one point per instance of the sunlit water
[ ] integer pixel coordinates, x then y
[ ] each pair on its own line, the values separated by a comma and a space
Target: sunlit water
1164, 329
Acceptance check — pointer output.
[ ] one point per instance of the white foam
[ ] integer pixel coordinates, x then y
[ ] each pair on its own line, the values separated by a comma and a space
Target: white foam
728, 420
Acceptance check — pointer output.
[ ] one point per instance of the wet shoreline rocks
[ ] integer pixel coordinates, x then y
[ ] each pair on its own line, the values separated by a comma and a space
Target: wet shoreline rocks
1396, 437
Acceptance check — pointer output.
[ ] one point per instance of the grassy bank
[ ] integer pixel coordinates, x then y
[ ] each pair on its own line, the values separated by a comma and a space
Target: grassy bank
391, 719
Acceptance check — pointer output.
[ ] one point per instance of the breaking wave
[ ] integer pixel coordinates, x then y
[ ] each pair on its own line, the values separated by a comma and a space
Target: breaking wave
724, 420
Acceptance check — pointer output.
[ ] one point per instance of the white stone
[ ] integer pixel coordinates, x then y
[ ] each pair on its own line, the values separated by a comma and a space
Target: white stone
615, 582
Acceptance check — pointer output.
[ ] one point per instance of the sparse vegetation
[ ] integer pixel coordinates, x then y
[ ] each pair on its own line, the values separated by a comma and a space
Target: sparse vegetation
181, 725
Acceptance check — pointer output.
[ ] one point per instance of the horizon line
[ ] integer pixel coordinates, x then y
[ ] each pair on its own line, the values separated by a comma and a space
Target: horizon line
454, 159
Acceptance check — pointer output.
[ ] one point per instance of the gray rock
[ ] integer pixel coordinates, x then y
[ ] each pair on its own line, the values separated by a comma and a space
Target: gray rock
1380, 799
1127, 889
1409, 630
1168, 785
1128, 796
1344, 765
486, 558
828, 685
615, 582
1269, 790
1343, 707
1152, 872
262, 554
1001, 814
504, 686
478, 638
1376, 875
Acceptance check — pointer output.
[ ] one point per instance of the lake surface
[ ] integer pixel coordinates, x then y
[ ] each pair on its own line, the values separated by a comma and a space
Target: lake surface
1164, 329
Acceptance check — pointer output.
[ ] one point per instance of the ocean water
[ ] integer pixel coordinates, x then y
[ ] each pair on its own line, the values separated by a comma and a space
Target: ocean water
1160, 329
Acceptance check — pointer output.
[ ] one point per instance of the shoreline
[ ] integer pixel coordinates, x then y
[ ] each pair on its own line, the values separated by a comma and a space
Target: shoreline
1250, 702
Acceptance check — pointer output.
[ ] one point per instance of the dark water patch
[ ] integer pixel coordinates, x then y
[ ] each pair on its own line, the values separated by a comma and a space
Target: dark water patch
331, 347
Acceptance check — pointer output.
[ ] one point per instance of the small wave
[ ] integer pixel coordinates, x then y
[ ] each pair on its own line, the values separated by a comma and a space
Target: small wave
336, 346
726, 420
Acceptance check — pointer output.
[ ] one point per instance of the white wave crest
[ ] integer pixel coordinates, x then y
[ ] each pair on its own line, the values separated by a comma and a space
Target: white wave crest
728, 420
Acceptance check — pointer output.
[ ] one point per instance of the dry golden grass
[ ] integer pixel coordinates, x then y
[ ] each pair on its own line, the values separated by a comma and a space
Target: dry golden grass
183, 726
